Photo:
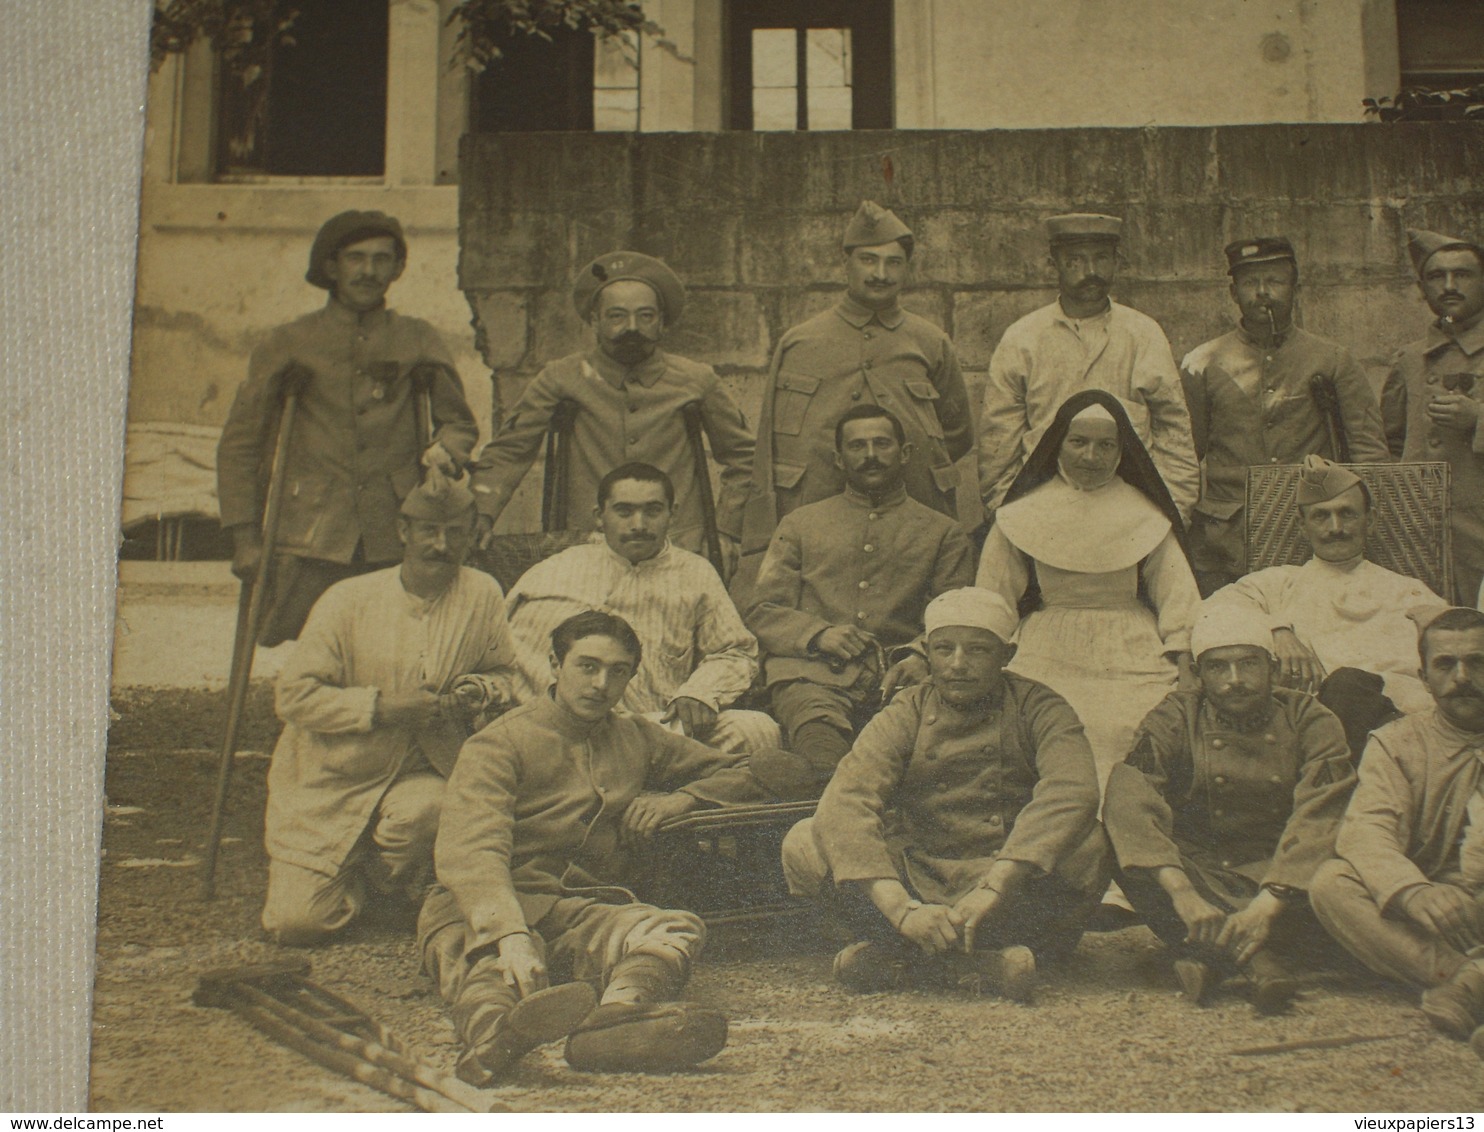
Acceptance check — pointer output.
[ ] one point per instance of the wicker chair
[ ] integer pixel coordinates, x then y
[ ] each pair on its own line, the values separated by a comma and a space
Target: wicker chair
1411, 535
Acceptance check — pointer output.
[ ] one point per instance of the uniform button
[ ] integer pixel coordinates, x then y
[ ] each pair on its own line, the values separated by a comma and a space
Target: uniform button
1226, 864
856, 396
1270, 738
1268, 358
873, 516
860, 614
1274, 460
602, 789
633, 440
1218, 813
865, 365
932, 719
1218, 743
867, 335
868, 548
1274, 779
1435, 441
1220, 780
865, 585
1432, 379
378, 392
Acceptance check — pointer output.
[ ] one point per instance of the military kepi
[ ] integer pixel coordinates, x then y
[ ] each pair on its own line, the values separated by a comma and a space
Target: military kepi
615, 267
1322, 480
439, 499
1259, 249
873, 225
348, 228
1422, 245
1083, 226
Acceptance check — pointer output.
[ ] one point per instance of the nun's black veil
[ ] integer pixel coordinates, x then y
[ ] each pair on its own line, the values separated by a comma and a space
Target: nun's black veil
1134, 465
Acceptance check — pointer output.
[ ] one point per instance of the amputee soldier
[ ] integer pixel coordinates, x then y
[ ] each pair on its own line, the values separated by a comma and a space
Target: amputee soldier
629, 392
355, 451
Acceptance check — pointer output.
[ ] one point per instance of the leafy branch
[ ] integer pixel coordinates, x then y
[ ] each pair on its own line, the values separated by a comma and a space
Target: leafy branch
1414, 103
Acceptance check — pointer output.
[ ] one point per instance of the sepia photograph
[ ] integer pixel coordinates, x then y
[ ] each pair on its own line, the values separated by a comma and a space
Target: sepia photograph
801, 555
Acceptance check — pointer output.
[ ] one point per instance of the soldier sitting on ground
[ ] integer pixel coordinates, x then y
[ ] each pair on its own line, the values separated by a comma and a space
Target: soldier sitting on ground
544, 825
958, 840
1227, 804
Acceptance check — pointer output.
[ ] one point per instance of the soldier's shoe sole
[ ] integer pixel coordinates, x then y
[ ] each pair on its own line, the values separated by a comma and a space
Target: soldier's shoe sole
1274, 995
659, 1038
1195, 979
535, 1020
1449, 1011
867, 967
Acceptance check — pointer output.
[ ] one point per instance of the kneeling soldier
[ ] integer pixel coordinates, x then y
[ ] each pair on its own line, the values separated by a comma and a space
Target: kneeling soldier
1229, 802
964, 817
543, 823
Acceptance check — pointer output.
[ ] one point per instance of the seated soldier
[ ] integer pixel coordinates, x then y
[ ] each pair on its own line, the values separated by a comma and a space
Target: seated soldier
698, 656
959, 838
1339, 621
543, 826
1406, 893
376, 698
1228, 803
845, 581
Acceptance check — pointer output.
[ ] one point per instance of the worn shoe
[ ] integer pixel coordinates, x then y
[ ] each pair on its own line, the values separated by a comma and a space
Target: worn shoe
786, 775
535, 1020
869, 967
1273, 985
1457, 1006
1476, 1043
1196, 979
626, 1037
1009, 972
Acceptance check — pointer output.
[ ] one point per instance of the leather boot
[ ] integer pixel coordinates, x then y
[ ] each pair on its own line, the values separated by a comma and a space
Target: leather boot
1457, 1006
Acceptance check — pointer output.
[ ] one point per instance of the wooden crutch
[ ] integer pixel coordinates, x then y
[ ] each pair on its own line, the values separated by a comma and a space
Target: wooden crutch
251, 607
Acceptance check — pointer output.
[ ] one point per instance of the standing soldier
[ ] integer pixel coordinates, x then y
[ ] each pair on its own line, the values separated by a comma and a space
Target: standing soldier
357, 445
1084, 341
629, 395
1439, 377
865, 350
1268, 392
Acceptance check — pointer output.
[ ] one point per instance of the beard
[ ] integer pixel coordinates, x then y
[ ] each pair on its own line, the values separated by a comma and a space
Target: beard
631, 347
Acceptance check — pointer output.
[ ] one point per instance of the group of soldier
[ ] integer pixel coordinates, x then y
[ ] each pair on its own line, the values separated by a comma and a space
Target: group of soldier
1082, 709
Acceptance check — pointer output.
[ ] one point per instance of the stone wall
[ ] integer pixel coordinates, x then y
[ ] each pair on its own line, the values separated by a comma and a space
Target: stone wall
752, 222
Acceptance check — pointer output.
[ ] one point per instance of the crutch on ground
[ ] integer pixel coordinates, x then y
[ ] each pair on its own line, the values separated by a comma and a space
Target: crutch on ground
557, 477
691, 414
251, 607
279, 1000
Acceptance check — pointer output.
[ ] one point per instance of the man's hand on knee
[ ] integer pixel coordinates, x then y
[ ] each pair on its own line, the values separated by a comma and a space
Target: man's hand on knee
1447, 912
521, 964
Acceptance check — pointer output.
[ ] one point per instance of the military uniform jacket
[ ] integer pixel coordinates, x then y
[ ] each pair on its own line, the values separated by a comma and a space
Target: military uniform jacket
532, 812
626, 414
846, 356
355, 451
1265, 803
938, 794
849, 561
1250, 404
1419, 370
1407, 820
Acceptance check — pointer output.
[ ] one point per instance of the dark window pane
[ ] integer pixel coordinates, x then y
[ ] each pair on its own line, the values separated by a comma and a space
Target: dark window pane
1440, 42
311, 102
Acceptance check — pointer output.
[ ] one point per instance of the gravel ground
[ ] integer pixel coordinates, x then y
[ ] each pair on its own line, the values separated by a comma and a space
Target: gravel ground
1108, 1032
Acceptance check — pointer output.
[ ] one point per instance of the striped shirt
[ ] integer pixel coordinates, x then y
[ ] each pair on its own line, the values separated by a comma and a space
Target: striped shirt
695, 644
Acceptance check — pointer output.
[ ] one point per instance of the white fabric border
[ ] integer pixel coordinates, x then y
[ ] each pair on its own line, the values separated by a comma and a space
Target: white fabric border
72, 87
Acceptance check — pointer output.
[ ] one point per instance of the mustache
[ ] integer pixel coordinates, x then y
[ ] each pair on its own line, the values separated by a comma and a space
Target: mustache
1091, 280
638, 536
1464, 694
